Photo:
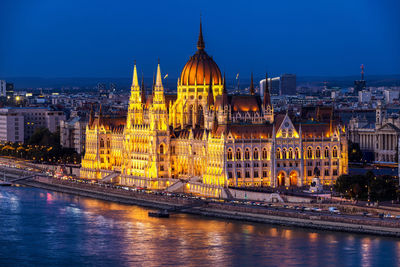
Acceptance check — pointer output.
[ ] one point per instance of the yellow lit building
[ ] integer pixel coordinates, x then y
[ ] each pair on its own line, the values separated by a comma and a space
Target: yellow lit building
211, 139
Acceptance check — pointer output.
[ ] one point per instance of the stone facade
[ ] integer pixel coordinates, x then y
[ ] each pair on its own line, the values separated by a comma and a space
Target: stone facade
211, 139
380, 139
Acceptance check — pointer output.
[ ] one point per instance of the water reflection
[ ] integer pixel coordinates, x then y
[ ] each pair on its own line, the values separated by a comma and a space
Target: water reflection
48, 228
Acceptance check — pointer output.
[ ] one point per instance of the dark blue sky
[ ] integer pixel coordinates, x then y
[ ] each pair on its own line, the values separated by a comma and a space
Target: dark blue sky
53, 38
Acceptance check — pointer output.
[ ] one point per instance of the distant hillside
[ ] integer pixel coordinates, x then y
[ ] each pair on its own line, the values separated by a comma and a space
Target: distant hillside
124, 83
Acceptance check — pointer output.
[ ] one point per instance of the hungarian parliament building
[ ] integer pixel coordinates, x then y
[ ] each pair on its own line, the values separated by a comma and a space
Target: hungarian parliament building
209, 140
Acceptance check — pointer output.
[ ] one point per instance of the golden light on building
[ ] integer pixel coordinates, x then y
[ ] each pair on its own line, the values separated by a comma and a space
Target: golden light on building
209, 139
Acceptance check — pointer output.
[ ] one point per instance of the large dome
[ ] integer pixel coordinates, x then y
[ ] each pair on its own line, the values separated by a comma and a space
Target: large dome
200, 67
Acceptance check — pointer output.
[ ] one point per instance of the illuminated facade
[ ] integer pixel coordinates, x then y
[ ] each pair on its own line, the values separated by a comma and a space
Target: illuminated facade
211, 139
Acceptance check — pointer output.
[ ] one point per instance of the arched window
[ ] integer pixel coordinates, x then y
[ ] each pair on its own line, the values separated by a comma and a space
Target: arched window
162, 149
290, 153
101, 143
334, 152
278, 153
318, 152
238, 154
247, 154
296, 153
108, 143
255, 154
326, 152
309, 153
264, 153
230, 154
284, 155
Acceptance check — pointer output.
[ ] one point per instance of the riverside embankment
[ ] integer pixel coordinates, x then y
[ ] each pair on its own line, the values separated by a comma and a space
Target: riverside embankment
269, 215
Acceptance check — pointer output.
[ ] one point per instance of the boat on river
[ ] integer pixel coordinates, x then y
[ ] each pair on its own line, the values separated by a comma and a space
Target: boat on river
159, 214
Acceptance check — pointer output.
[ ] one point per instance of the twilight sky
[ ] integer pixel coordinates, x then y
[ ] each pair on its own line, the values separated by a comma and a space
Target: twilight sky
76, 38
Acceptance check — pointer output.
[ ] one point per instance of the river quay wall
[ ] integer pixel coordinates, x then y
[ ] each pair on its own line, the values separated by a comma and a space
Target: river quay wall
225, 211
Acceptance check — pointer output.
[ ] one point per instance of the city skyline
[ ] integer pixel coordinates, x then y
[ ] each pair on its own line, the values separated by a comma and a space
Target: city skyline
309, 39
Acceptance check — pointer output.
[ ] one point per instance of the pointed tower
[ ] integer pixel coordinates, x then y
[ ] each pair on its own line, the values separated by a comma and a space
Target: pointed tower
158, 109
135, 110
252, 85
143, 92
200, 42
267, 104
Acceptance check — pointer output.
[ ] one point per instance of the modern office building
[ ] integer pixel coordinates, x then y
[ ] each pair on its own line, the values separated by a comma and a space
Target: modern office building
2, 88
11, 126
288, 84
36, 117
73, 133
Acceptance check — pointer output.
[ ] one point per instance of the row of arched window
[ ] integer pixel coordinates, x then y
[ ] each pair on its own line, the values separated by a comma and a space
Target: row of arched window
239, 155
281, 153
287, 153
318, 153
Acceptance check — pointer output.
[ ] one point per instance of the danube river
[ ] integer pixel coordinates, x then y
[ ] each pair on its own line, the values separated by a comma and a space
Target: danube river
43, 228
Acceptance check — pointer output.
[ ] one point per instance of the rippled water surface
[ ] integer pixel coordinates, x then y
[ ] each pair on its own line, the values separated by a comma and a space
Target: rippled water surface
43, 228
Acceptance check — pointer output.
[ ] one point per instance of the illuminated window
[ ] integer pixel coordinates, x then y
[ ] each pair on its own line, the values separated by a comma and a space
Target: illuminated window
162, 149
255, 154
264, 153
238, 154
296, 153
326, 152
309, 153
318, 152
230, 154
290, 133
284, 155
278, 153
101, 143
247, 154
334, 152
290, 153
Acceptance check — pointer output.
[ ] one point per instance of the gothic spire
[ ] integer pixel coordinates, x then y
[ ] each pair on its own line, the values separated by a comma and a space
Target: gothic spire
267, 97
158, 76
143, 91
135, 82
200, 42
251, 85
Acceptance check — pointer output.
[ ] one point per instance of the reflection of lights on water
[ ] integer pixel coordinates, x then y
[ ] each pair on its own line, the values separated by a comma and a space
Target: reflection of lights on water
366, 251
313, 237
49, 198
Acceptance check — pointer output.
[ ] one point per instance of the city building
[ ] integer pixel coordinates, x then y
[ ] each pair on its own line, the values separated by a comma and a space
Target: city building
35, 117
288, 84
11, 126
73, 133
210, 139
283, 85
2, 88
9, 90
273, 84
378, 140
360, 85
364, 96
391, 96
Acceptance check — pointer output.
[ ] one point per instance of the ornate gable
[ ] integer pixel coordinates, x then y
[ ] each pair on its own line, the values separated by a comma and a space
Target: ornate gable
286, 129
